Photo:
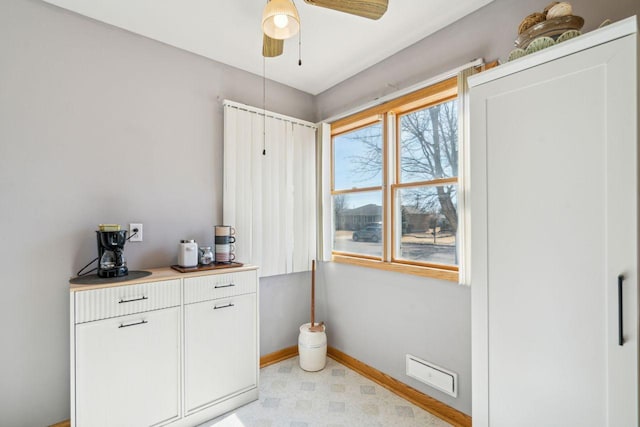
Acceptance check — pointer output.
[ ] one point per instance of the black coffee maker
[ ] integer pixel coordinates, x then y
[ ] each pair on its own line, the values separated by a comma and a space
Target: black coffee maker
111, 262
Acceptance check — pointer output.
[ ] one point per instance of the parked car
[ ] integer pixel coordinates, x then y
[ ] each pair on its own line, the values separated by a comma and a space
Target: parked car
371, 231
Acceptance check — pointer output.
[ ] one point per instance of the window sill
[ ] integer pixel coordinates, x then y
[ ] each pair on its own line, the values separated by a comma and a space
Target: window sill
433, 272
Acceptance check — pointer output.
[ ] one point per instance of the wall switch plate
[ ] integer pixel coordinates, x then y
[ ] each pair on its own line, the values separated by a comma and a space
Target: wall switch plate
135, 236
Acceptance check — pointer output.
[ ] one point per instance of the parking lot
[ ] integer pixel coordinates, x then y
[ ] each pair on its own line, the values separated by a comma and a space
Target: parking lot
414, 246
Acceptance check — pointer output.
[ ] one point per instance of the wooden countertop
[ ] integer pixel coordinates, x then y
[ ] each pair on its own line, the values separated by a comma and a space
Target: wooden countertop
159, 274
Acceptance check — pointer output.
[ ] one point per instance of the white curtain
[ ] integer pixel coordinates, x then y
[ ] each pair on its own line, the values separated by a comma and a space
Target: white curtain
270, 198
464, 224
325, 211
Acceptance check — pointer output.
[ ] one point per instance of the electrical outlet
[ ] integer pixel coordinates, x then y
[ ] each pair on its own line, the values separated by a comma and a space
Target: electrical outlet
135, 232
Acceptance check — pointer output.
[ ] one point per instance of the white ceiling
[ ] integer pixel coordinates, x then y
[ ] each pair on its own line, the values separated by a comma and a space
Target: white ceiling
335, 46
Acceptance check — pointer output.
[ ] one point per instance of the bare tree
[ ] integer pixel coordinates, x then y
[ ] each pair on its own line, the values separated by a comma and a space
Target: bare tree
339, 203
429, 150
368, 164
339, 206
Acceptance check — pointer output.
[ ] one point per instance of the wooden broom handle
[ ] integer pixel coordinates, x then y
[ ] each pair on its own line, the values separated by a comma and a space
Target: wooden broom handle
313, 291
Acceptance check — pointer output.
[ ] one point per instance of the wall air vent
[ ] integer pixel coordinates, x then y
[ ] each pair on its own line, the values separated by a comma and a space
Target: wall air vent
432, 375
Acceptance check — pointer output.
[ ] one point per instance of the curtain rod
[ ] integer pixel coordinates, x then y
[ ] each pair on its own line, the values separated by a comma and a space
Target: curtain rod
397, 94
266, 113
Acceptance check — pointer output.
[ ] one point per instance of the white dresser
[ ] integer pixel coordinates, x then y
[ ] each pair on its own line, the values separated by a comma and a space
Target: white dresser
169, 349
554, 219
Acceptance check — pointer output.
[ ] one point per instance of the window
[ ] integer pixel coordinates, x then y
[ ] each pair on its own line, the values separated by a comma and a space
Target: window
357, 190
395, 184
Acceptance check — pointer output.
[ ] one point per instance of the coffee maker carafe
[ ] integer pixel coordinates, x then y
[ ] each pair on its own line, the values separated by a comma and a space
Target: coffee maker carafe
111, 262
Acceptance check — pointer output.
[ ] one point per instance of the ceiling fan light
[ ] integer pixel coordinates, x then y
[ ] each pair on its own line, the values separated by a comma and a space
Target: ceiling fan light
280, 19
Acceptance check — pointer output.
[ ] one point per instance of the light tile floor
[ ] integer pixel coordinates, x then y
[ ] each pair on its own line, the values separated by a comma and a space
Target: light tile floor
333, 397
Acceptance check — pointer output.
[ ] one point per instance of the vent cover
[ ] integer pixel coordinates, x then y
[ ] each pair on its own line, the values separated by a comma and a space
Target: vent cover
432, 375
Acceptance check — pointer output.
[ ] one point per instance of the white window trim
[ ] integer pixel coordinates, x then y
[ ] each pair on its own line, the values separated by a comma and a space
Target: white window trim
325, 207
397, 94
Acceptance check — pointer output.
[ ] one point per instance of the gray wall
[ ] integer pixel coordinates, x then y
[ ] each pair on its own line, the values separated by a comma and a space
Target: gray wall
98, 125
376, 316
488, 33
284, 309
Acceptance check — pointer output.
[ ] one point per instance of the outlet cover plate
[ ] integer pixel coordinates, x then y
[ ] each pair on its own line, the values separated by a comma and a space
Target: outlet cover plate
137, 237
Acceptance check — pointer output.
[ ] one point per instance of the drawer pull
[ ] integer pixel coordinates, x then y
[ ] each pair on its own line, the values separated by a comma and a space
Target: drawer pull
218, 307
225, 286
122, 301
142, 322
620, 332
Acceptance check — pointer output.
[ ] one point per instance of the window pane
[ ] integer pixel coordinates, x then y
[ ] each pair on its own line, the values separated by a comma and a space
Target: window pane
429, 224
358, 223
357, 158
429, 143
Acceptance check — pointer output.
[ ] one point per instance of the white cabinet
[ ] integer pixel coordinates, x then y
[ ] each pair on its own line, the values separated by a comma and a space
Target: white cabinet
554, 223
128, 370
178, 350
221, 337
220, 349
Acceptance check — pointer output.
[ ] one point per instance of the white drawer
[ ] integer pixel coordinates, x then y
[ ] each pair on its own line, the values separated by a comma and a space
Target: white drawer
215, 286
122, 300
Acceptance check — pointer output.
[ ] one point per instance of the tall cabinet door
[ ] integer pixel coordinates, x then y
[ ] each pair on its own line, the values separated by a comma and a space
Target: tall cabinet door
554, 223
128, 370
220, 349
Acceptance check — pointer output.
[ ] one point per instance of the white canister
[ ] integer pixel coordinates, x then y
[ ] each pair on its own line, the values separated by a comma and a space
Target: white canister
188, 253
312, 348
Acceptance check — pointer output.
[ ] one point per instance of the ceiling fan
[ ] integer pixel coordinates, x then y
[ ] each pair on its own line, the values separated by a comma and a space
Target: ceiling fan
280, 19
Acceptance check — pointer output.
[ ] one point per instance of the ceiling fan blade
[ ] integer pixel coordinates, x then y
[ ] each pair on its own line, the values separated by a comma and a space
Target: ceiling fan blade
271, 47
372, 9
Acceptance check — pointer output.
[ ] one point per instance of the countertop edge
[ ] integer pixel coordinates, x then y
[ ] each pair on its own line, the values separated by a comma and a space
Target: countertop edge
161, 274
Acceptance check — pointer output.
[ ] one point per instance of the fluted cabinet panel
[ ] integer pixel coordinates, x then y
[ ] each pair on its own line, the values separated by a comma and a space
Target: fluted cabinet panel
122, 300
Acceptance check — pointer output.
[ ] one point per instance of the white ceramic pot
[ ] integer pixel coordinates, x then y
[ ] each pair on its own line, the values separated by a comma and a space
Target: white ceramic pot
312, 348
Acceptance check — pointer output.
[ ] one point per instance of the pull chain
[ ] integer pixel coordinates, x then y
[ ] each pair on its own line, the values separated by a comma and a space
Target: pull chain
300, 47
264, 103
264, 108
